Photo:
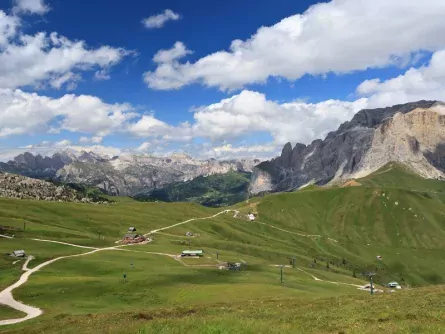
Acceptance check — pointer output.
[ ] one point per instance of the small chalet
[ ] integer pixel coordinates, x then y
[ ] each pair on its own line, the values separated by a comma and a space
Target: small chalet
192, 253
251, 216
19, 253
132, 229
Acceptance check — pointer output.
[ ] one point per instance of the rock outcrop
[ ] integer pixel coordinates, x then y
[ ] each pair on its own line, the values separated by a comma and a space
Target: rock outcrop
22, 187
412, 133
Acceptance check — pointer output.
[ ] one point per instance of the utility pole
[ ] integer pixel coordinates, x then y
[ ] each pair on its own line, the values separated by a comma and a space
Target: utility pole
24, 226
217, 255
99, 234
281, 274
293, 262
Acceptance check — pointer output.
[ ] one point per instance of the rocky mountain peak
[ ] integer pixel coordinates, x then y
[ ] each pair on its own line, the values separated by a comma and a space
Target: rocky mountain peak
411, 133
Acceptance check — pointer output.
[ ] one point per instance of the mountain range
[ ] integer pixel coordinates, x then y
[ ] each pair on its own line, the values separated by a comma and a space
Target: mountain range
128, 174
412, 134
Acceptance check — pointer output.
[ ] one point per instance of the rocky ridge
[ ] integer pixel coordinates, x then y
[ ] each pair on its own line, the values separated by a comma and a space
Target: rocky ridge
412, 134
22, 187
128, 174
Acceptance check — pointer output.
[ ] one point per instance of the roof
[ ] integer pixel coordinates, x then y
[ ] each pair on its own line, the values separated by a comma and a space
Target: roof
393, 283
19, 252
132, 228
192, 252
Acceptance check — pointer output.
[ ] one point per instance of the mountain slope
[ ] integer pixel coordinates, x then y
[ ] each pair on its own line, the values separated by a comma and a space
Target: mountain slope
22, 187
392, 213
412, 133
128, 174
214, 190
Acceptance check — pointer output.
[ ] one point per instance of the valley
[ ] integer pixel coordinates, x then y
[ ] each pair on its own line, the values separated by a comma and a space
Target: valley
334, 234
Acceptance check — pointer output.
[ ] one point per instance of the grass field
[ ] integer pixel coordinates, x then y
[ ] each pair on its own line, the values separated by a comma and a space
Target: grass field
334, 234
8, 313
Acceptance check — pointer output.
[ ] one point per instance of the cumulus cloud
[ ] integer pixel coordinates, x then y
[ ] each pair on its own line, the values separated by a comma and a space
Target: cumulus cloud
250, 112
48, 59
8, 27
338, 36
158, 21
176, 52
424, 83
25, 113
30, 7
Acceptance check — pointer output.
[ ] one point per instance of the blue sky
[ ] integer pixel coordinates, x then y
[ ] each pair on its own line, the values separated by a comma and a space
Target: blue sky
217, 78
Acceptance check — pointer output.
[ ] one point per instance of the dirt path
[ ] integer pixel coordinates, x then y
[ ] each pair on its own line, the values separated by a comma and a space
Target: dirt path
321, 280
300, 234
65, 243
6, 236
187, 221
25, 265
6, 297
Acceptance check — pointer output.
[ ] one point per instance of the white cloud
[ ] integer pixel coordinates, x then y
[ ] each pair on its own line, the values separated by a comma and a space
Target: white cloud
424, 83
250, 112
30, 7
145, 146
69, 79
158, 21
340, 36
176, 52
48, 59
8, 27
102, 75
150, 127
94, 140
26, 113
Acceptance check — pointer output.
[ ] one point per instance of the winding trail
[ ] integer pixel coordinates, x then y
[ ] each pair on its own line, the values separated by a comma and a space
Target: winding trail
6, 236
185, 222
65, 243
6, 297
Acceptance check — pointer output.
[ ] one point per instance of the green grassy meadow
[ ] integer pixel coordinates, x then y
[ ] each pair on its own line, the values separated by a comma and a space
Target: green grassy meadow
333, 233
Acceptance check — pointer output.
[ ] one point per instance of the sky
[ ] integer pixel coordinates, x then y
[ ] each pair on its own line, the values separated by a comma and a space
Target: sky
221, 79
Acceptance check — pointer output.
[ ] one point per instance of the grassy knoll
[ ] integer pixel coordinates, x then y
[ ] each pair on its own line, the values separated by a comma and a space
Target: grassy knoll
332, 233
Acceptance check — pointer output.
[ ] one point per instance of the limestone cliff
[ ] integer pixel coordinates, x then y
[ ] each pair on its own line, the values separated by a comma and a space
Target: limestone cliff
412, 133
